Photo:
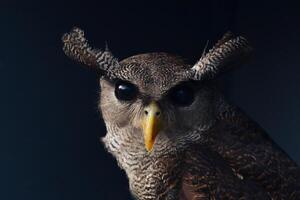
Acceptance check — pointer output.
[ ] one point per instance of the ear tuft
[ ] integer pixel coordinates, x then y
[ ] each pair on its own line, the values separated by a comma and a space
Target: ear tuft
76, 46
227, 53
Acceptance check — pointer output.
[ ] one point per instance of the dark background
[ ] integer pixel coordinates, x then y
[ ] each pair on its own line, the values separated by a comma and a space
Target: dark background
50, 126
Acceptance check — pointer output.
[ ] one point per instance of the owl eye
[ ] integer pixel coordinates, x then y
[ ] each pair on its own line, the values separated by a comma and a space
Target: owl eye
182, 95
125, 91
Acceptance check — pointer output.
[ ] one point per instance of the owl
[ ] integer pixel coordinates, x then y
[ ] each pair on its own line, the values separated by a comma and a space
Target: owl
174, 133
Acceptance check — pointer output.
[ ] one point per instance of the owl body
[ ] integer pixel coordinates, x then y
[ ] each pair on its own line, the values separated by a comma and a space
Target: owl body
174, 134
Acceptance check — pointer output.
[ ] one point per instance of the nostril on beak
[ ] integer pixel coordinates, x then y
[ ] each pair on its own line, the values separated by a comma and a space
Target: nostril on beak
157, 114
152, 110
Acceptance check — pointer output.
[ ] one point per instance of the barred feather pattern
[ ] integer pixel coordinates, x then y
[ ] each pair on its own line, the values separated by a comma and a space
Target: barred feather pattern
226, 37
227, 52
77, 48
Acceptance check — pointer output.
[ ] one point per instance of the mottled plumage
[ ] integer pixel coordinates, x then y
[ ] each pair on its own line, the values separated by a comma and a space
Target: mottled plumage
173, 132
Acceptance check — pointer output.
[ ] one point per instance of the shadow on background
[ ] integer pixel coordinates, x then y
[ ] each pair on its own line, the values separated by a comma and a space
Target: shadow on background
50, 126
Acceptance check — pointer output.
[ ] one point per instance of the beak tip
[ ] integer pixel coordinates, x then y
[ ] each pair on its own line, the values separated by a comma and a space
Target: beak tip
149, 148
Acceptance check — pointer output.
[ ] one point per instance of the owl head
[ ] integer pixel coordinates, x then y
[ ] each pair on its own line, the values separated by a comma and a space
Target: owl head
157, 100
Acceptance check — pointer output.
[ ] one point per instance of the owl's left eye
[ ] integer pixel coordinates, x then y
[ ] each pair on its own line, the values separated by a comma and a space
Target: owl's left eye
125, 91
182, 95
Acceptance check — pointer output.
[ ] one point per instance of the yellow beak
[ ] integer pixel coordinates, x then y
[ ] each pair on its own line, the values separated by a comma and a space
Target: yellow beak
151, 124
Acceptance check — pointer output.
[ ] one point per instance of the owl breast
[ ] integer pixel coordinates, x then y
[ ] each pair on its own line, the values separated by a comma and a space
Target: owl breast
156, 178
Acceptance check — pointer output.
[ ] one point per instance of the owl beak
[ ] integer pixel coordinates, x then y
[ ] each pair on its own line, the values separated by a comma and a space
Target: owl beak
151, 124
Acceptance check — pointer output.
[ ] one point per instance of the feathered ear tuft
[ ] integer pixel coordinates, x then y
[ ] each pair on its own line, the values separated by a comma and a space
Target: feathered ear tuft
77, 48
227, 53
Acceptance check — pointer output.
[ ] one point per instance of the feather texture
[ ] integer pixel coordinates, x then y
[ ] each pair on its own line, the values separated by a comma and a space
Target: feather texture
77, 48
227, 52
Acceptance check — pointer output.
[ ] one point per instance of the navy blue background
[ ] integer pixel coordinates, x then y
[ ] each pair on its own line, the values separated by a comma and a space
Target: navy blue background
49, 123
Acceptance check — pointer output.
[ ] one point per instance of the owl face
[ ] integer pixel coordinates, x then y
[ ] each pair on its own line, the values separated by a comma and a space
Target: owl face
156, 100
151, 100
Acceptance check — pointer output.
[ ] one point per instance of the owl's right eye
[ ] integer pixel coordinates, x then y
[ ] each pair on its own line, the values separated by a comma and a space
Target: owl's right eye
125, 91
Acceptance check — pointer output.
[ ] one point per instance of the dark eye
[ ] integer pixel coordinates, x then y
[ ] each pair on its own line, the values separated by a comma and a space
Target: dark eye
182, 95
125, 91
